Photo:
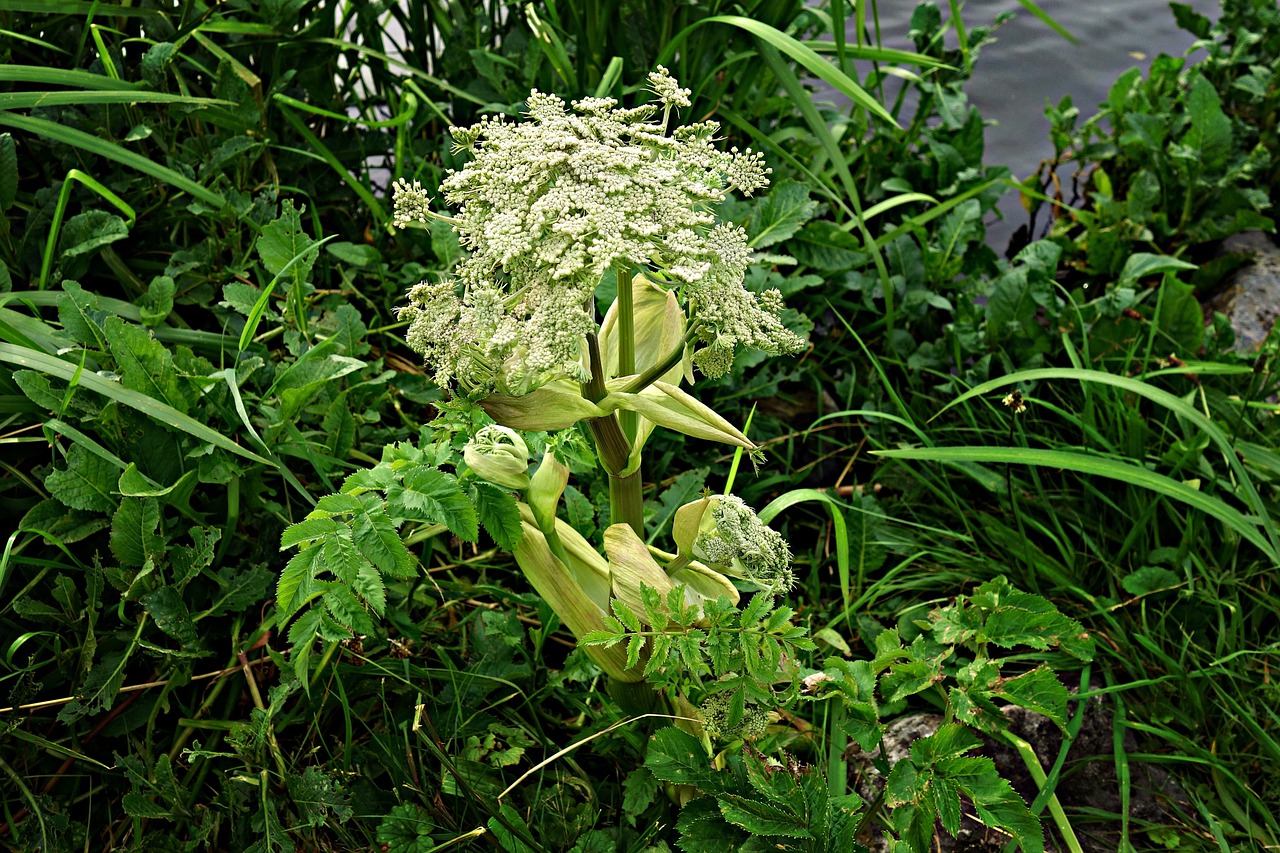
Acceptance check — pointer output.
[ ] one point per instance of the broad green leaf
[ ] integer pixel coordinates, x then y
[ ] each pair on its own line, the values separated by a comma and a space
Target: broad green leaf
88, 482
156, 304
640, 788
1038, 690
81, 317
1142, 264
134, 536
1149, 579
145, 364
1210, 133
678, 757
89, 231
170, 614
908, 679
823, 245
780, 214
282, 240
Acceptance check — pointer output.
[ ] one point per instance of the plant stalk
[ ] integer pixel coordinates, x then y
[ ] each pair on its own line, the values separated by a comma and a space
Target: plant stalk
626, 496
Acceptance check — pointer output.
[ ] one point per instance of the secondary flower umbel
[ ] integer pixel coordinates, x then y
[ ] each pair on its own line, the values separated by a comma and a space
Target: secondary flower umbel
548, 205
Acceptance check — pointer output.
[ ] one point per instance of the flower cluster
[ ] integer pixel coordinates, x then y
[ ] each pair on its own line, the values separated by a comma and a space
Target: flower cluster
733, 538
547, 205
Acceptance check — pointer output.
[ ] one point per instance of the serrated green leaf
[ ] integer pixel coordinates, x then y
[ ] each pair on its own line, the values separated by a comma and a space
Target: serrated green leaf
634, 646
780, 214
676, 756
907, 679
375, 536
283, 239
640, 788
1038, 690
296, 582
134, 536
762, 819
88, 482
426, 494
347, 610
625, 615
145, 364
308, 530
499, 514
319, 797
371, 588
137, 804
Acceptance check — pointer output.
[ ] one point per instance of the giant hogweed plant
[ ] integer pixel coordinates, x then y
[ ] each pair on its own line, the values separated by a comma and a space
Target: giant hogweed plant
551, 210
548, 209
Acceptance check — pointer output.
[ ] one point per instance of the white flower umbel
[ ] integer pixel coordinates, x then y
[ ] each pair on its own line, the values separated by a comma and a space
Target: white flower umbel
547, 206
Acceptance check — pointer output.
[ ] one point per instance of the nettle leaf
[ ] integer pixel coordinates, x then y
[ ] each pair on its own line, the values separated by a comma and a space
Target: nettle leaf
134, 536
375, 536
499, 514
780, 214
88, 482
145, 365
640, 788
676, 756
426, 494
1038, 690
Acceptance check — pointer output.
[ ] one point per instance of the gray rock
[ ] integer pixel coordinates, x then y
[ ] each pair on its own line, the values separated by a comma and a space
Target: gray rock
1251, 301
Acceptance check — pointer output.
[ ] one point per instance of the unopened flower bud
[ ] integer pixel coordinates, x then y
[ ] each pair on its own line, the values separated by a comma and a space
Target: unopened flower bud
500, 456
545, 488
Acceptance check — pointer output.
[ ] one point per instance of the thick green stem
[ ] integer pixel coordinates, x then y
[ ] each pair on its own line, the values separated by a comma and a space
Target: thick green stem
626, 344
1028, 756
626, 497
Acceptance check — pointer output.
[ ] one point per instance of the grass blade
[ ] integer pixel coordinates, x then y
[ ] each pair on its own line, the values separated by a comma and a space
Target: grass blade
1098, 466
111, 151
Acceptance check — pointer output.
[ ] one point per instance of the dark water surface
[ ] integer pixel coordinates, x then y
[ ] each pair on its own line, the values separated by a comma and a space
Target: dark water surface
1029, 63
